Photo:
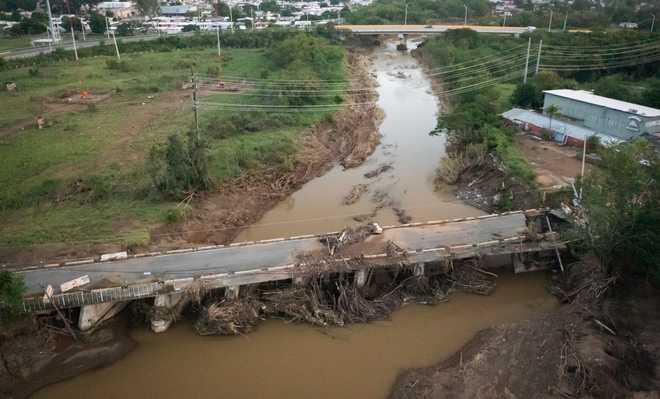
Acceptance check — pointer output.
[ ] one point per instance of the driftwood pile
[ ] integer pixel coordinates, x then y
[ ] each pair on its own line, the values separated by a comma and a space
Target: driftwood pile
329, 302
228, 318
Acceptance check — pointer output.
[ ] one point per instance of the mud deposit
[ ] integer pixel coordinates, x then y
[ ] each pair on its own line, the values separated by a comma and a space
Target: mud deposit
281, 360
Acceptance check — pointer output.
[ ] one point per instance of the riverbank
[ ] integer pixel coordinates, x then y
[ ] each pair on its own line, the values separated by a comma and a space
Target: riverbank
483, 166
33, 355
348, 138
597, 345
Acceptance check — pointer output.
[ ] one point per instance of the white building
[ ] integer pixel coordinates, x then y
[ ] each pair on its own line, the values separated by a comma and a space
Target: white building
120, 9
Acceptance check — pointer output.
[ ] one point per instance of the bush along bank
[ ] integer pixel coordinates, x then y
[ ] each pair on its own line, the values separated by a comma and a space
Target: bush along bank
482, 160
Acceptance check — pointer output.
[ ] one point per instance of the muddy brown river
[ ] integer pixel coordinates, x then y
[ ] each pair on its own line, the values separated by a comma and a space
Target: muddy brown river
295, 361
411, 111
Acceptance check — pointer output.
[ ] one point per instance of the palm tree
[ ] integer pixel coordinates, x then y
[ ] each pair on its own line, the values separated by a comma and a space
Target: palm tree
552, 111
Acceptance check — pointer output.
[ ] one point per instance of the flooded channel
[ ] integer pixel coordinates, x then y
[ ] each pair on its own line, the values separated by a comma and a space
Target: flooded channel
295, 361
411, 111
281, 360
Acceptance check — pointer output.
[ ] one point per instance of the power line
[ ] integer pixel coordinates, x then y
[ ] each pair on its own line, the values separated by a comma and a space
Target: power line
266, 225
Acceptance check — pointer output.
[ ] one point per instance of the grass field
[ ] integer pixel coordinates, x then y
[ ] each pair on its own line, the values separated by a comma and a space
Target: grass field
8, 43
83, 177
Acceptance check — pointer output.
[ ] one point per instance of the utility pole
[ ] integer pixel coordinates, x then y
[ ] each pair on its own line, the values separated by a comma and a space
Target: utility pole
465, 18
529, 47
114, 38
653, 23
252, 15
231, 19
504, 22
73, 39
584, 157
538, 58
550, 23
217, 31
194, 100
53, 35
565, 21
107, 27
405, 15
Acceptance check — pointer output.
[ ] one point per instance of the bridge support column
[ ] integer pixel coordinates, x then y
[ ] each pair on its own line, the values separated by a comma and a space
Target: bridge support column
232, 291
92, 315
360, 277
167, 308
403, 45
419, 270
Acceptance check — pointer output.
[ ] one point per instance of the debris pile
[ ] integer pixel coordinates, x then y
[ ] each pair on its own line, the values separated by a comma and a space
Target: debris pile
325, 297
228, 318
381, 169
355, 194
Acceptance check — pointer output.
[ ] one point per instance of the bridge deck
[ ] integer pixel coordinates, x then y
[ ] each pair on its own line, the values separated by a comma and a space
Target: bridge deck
246, 263
397, 29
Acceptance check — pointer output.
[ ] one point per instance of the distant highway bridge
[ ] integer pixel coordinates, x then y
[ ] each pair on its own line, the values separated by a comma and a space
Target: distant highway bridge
429, 29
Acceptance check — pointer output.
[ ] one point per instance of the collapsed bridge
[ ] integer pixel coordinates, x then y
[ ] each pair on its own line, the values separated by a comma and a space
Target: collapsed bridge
164, 276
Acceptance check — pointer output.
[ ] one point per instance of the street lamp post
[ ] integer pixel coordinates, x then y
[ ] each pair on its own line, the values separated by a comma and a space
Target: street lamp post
465, 18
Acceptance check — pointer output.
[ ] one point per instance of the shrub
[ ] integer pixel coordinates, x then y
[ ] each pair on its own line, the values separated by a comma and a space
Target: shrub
115, 65
34, 70
593, 143
12, 289
179, 168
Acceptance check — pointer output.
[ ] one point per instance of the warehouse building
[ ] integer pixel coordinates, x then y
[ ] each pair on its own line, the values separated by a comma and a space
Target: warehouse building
580, 114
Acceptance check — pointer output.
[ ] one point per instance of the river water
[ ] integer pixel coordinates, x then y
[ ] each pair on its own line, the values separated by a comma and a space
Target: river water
294, 361
297, 361
411, 110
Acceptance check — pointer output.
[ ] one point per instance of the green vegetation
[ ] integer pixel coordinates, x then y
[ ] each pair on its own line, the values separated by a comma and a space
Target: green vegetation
419, 12
11, 296
581, 13
177, 170
84, 178
475, 117
621, 208
638, 83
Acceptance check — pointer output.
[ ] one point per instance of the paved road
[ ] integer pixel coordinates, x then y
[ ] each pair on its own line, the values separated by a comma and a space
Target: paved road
68, 45
273, 254
396, 29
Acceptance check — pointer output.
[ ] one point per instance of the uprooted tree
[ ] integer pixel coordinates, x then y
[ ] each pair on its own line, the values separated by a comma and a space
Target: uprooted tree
178, 169
622, 212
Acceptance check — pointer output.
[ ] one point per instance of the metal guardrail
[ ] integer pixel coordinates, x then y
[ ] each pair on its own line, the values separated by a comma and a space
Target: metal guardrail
96, 296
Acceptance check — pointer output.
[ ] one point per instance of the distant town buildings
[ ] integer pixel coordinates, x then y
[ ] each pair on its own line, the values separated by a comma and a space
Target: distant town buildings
119, 9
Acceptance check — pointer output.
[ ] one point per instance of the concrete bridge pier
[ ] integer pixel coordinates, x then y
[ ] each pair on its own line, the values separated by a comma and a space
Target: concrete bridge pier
92, 315
232, 291
360, 277
419, 269
403, 45
167, 307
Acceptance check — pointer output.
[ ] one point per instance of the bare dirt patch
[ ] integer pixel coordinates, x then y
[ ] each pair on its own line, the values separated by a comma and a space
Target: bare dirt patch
74, 101
553, 164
